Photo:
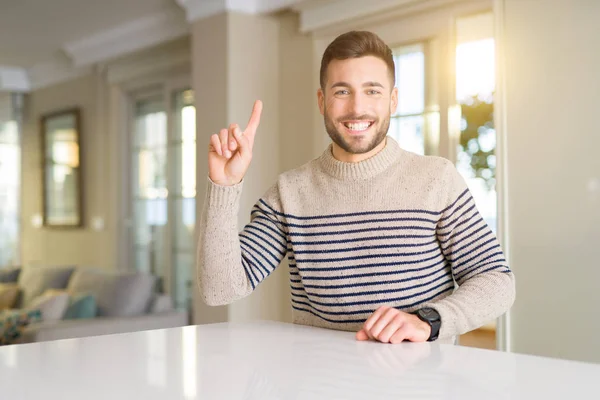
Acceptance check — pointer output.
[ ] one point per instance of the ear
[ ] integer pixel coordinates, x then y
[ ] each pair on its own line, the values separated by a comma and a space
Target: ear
321, 101
394, 101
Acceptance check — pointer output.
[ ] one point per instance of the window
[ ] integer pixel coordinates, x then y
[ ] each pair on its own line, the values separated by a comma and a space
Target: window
164, 190
10, 180
475, 85
150, 184
415, 121
183, 146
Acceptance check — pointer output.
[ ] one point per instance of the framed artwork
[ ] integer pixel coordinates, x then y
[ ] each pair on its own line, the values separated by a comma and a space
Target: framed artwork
62, 180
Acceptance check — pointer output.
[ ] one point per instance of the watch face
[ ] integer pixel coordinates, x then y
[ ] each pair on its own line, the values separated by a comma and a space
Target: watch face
429, 313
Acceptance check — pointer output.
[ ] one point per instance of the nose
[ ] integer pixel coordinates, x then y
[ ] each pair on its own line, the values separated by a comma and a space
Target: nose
357, 104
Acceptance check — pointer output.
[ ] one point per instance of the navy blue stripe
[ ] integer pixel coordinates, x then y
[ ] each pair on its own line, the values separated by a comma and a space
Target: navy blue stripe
294, 273
358, 222
457, 241
252, 227
278, 232
360, 239
355, 214
375, 301
455, 201
457, 218
377, 229
467, 201
484, 271
380, 246
459, 269
367, 293
295, 280
459, 274
249, 253
359, 266
250, 269
256, 267
370, 256
245, 265
263, 240
385, 282
467, 253
245, 239
464, 230
372, 274
370, 311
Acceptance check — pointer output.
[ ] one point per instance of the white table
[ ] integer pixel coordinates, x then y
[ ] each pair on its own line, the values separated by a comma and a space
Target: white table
268, 360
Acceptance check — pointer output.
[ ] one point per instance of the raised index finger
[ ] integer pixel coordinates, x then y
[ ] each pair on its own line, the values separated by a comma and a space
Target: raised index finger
254, 118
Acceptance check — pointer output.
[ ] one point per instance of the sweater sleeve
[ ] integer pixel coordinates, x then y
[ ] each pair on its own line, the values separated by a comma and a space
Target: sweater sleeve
485, 284
231, 264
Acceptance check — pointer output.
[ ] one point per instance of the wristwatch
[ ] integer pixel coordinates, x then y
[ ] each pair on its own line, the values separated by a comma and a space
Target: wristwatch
432, 317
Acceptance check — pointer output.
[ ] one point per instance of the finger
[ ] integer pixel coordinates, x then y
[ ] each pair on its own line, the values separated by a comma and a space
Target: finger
231, 142
390, 329
362, 335
373, 319
223, 136
383, 321
243, 145
215, 144
254, 121
401, 334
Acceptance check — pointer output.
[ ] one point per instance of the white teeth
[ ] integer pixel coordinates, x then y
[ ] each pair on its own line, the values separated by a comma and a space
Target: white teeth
360, 126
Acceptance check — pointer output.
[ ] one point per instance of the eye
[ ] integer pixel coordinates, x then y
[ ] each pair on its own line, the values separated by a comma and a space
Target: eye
342, 92
373, 91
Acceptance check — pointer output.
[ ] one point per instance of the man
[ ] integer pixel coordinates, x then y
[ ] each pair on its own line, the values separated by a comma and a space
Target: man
381, 241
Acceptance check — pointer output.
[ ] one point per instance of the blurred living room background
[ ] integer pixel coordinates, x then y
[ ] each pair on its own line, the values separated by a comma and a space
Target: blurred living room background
106, 109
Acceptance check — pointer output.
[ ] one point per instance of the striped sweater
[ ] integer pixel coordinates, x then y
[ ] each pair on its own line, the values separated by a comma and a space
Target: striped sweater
397, 229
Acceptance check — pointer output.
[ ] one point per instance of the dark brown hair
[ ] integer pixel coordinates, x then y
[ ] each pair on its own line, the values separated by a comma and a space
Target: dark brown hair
356, 44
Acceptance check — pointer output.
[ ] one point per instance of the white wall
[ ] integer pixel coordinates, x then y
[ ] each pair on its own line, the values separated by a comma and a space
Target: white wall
552, 73
237, 59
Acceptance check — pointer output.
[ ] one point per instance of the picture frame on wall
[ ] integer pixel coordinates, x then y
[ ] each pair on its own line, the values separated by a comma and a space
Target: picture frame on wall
61, 169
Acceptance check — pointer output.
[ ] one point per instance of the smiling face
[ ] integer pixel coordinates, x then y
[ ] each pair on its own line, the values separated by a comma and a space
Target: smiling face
356, 101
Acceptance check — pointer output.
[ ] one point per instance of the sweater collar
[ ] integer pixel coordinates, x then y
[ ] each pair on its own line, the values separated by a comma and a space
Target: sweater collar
360, 170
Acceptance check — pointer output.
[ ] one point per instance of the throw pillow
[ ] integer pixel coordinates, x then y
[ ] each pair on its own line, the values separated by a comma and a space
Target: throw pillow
9, 293
52, 306
81, 305
36, 280
14, 322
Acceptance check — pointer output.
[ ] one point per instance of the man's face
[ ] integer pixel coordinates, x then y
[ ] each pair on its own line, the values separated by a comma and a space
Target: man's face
357, 102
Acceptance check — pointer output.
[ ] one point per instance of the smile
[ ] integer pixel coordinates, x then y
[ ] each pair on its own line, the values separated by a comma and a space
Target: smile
358, 126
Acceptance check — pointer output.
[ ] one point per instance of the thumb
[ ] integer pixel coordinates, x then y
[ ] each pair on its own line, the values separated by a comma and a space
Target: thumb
362, 335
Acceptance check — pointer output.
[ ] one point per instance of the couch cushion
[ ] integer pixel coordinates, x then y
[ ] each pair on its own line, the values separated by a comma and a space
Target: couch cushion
36, 280
9, 275
117, 294
9, 294
52, 305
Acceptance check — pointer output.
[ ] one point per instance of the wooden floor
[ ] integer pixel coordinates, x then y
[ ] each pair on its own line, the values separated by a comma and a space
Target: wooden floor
481, 338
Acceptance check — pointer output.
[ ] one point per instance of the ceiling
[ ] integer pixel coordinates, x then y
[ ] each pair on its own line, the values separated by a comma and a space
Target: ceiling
35, 31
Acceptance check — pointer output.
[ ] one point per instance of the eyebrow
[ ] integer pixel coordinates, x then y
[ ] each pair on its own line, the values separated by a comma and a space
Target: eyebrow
366, 84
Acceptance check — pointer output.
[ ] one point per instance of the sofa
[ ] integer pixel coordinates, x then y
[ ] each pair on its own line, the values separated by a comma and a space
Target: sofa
62, 302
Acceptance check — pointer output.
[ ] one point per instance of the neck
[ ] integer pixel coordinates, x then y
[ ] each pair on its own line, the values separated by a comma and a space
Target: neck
342, 155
